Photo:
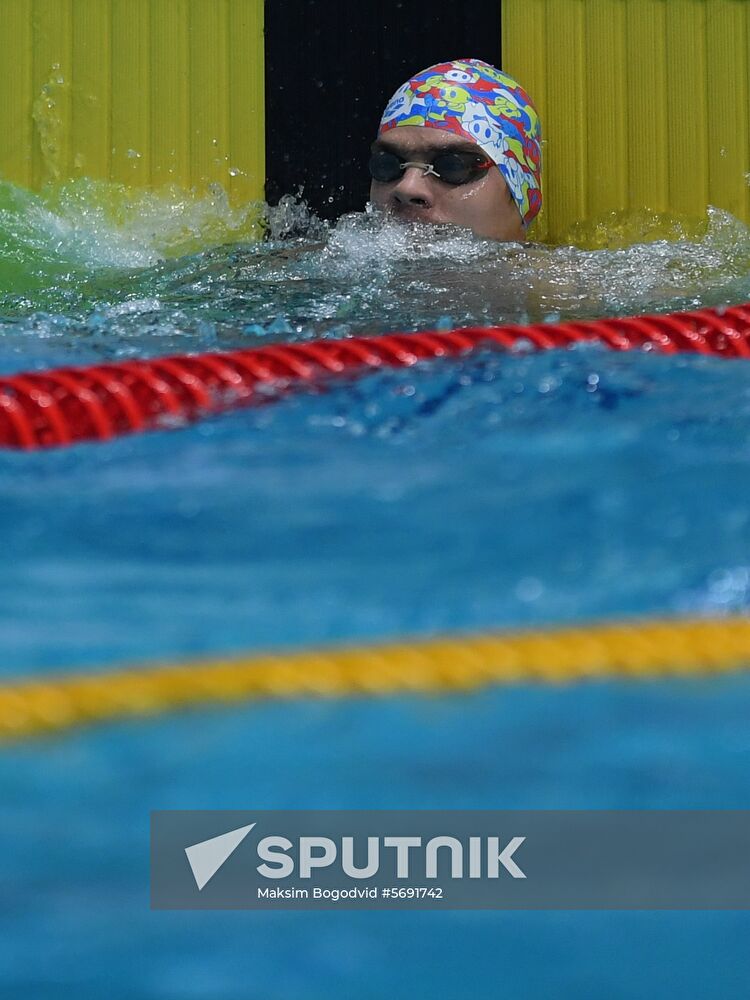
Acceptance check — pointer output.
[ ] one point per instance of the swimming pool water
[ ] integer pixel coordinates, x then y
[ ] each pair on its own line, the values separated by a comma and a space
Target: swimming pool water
88, 273
76, 921
499, 491
492, 492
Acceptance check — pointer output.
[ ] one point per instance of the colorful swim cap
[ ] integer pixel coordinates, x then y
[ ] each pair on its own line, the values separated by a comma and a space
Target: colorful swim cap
473, 99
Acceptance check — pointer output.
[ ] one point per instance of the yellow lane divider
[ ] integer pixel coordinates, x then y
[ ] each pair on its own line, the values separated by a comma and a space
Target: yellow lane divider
635, 649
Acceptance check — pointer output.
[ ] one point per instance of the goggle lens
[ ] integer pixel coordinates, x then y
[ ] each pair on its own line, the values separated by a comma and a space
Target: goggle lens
385, 167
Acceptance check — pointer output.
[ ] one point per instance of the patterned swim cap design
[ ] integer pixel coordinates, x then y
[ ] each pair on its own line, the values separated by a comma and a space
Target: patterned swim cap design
473, 99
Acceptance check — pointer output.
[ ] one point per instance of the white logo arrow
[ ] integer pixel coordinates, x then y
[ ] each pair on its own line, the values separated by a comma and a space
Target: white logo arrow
207, 857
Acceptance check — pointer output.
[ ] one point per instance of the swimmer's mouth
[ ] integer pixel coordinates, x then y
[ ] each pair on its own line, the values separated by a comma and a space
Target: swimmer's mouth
412, 215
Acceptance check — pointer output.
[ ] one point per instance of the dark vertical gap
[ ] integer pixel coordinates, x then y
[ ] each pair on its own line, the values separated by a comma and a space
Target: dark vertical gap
331, 67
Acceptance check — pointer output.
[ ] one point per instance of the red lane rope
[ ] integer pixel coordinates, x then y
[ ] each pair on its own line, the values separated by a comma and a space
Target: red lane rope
97, 402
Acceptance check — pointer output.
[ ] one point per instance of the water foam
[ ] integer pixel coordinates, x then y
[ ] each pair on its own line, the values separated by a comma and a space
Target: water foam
149, 272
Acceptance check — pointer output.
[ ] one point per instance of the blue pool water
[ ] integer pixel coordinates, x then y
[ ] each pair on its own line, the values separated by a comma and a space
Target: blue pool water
498, 491
74, 866
493, 492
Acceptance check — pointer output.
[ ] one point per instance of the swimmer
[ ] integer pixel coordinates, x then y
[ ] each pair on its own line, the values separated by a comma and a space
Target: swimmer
459, 143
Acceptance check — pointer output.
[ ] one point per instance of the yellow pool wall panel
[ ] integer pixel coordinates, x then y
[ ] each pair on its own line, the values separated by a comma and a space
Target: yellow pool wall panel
145, 92
644, 104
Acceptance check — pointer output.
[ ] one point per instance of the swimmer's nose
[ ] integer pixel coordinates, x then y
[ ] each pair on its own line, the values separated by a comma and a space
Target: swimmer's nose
413, 188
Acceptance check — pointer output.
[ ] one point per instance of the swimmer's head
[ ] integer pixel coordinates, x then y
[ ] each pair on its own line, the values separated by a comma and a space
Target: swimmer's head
466, 106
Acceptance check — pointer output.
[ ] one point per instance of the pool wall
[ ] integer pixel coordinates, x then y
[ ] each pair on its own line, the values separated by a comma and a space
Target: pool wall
142, 92
643, 103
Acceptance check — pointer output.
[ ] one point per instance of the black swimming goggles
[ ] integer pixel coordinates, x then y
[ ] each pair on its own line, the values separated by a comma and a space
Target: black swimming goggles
452, 168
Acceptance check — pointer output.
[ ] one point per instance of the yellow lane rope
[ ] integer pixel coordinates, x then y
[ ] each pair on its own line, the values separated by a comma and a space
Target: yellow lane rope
636, 650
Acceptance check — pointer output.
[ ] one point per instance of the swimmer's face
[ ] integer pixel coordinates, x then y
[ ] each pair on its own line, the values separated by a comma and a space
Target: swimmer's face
483, 205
